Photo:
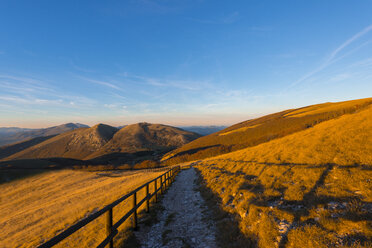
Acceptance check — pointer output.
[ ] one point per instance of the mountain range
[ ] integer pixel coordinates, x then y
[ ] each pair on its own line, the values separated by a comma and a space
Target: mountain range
110, 145
10, 135
203, 130
101, 143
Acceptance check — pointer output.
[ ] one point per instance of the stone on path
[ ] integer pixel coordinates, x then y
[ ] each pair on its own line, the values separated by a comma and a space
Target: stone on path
182, 223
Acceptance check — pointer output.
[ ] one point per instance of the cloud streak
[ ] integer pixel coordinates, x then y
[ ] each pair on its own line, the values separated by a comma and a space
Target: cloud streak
104, 83
191, 85
22, 92
332, 58
348, 42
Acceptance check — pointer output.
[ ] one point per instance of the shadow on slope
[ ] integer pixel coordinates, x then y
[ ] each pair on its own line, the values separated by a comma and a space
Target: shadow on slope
11, 175
8, 150
318, 210
18, 168
228, 231
118, 158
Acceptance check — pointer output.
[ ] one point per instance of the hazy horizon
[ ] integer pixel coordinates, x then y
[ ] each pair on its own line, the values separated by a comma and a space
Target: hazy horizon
178, 63
192, 122
43, 125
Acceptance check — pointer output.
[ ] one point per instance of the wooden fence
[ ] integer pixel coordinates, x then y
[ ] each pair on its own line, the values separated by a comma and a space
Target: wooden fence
112, 228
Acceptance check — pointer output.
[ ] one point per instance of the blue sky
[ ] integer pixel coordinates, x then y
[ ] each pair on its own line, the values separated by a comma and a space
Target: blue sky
178, 62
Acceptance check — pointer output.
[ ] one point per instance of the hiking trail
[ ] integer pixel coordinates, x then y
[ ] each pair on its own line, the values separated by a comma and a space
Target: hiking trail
183, 222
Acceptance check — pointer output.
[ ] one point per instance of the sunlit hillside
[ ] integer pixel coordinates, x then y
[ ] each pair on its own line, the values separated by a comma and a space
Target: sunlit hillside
312, 188
103, 142
34, 209
73, 144
145, 137
254, 132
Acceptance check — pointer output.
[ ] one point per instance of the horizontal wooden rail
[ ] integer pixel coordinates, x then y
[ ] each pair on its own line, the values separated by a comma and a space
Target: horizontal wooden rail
111, 228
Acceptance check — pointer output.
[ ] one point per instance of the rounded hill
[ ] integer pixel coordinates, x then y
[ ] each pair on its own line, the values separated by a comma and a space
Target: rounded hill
76, 144
146, 137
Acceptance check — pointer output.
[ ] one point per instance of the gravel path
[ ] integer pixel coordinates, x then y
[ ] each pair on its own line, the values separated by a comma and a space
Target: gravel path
183, 222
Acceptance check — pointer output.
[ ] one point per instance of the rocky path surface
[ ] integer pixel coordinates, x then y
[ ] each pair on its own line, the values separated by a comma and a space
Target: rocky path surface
184, 221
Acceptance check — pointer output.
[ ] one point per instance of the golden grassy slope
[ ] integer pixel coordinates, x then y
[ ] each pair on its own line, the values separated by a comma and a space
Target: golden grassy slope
253, 132
325, 107
346, 140
309, 189
36, 208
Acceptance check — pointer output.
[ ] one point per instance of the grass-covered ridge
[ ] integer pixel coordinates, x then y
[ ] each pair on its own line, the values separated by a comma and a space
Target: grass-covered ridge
309, 189
254, 132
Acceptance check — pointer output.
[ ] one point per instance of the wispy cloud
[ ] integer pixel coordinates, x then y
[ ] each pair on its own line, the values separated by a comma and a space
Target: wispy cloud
363, 63
28, 91
332, 58
348, 42
340, 77
29, 100
191, 85
104, 83
21, 79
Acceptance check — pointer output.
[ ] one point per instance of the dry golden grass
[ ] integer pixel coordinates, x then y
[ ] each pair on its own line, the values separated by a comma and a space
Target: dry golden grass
309, 189
325, 107
346, 140
267, 128
36, 208
242, 129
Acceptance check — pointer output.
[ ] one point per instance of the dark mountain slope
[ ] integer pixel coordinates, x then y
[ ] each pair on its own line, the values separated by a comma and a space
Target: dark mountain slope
8, 150
14, 135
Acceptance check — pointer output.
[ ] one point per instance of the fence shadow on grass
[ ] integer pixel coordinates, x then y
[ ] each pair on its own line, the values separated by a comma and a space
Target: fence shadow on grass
228, 231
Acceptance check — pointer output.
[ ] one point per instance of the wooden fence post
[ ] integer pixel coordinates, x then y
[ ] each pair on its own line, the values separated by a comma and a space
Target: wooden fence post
135, 211
161, 184
148, 198
156, 190
109, 226
166, 180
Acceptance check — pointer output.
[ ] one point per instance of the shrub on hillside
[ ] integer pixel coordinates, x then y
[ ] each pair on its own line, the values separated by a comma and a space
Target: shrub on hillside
146, 164
124, 167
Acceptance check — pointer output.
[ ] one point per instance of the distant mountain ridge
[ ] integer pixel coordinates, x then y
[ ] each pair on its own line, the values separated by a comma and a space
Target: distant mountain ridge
203, 130
10, 135
104, 140
75, 144
10, 130
146, 137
